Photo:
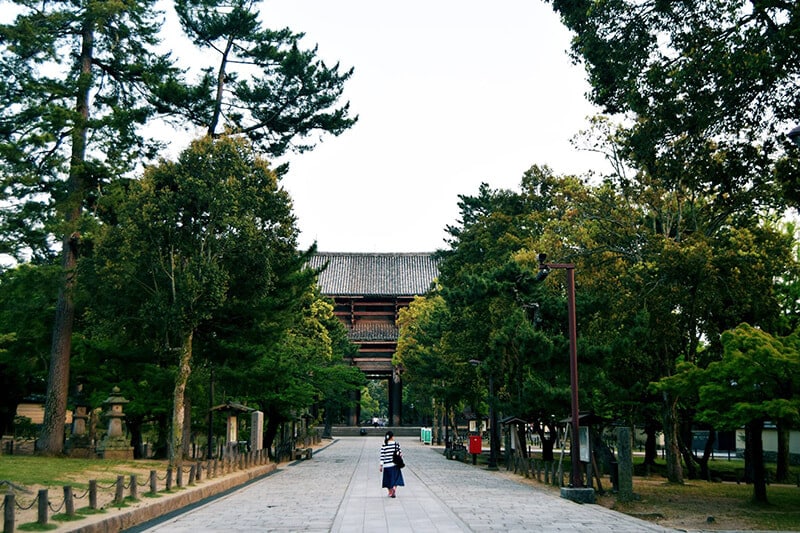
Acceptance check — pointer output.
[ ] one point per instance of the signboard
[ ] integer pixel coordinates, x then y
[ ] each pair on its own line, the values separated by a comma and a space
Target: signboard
583, 441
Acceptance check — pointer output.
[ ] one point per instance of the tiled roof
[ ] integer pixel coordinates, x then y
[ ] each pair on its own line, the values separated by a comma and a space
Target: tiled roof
384, 274
374, 331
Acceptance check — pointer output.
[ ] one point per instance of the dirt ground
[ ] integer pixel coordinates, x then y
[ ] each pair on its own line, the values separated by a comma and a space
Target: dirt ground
656, 501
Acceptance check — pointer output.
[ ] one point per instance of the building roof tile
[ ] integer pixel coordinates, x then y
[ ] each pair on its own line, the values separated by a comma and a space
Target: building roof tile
375, 274
372, 331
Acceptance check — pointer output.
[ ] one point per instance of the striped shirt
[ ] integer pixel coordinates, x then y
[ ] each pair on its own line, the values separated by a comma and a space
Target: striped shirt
387, 451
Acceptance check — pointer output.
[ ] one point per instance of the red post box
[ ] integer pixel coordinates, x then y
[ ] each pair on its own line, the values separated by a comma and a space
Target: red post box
475, 445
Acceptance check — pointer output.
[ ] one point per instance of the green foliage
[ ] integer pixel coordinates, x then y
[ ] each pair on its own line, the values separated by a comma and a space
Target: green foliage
197, 248
263, 85
74, 75
27, 301
758, 378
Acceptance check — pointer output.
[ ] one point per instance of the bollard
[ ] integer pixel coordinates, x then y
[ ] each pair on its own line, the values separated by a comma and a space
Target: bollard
8, 513
69, 503
179, 479
134, 488
153, 482
93, 494
119, 495
169, 479
192, 471
43, 502
199, 472
209, 473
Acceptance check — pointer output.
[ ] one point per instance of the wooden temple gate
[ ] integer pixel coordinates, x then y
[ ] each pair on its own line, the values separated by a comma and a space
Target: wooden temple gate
369, 290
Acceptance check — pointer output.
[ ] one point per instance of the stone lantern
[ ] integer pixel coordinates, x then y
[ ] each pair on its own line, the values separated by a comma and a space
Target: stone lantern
80, 441
114, 444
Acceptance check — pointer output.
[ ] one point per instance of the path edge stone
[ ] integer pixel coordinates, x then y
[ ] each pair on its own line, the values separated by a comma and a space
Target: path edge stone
171, 502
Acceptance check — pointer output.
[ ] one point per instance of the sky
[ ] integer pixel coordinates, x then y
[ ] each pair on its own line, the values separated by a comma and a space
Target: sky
449, 94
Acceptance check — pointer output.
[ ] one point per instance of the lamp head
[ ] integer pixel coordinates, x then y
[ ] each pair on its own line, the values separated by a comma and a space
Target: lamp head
794, 135
544, 270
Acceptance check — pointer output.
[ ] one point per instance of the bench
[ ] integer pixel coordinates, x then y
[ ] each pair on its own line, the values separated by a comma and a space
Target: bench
303, 453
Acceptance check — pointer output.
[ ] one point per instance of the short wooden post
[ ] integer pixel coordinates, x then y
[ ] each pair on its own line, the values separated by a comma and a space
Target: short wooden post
179, 475
134, 488
169, 479
119, 495
69, 503
153, 482
199, 472
8, 513
192, 471
43, 502
93, 494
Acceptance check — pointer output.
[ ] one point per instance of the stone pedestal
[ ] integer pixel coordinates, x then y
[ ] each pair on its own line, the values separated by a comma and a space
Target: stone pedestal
578, 494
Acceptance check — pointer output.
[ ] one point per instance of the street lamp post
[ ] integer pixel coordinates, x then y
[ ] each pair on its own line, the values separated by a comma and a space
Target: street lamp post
576, 477
494, 438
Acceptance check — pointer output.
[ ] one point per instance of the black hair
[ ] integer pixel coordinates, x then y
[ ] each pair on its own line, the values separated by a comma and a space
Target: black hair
388, 436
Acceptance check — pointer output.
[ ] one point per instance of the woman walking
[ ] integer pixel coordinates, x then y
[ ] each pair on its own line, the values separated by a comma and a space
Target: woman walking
392, 475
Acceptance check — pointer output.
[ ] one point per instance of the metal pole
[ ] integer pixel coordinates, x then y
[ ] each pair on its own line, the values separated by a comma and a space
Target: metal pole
210, 446
577, 478
493, 437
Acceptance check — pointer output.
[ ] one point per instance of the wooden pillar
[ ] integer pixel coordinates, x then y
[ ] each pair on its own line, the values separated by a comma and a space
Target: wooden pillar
355, 409
395, 399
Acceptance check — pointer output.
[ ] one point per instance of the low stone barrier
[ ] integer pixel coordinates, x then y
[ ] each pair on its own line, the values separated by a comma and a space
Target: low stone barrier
215, 477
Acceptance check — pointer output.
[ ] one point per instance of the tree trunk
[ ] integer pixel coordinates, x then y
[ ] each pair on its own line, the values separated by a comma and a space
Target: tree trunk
328, 417
522, 436
782, 466
685, 443
186, 439
271, 430
160, 448
51, 440
748, 455
175, 446
757, 457
134, 426
547, 443
650, 451
674, 470
707, 452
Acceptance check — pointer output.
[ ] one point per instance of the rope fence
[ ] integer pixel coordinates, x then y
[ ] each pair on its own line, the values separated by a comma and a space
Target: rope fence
117, 492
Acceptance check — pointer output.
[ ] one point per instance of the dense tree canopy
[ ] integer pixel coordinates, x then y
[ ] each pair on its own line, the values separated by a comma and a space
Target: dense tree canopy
81, 81
191, 239
263, 84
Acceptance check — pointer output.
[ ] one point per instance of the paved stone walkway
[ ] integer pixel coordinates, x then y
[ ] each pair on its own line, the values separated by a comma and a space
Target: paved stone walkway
339, 490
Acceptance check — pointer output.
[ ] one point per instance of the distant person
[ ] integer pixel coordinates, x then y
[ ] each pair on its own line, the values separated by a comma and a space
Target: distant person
392, 475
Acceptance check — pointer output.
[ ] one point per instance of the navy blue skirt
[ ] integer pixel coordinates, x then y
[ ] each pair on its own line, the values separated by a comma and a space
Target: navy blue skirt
392, 477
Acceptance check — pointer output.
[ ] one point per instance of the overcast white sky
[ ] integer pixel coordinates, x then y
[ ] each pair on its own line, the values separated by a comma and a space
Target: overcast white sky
449, 93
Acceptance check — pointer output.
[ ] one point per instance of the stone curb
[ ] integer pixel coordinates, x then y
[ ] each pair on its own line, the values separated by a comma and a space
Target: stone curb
168, 503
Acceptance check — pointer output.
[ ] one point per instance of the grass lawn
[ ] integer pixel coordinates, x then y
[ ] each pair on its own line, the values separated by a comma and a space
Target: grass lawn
29, 474
55, 472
